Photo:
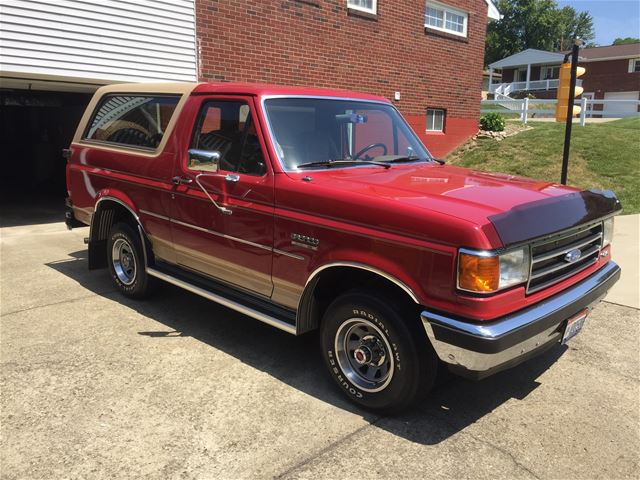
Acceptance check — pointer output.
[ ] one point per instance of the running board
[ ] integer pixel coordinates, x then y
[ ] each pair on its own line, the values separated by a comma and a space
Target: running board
233, 305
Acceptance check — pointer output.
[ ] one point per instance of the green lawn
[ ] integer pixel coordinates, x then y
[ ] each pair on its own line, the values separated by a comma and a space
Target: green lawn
505, 112
603, 155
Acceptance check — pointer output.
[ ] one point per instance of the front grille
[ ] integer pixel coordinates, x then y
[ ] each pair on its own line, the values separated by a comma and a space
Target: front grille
548, 258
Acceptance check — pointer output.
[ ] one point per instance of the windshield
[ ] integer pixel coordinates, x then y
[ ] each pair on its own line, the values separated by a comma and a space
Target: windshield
319, 131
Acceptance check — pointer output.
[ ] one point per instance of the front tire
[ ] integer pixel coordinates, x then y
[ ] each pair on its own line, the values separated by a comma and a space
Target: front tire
380, 360
126, 261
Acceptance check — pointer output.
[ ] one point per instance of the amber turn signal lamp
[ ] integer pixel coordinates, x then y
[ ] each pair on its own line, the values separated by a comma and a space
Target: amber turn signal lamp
478, 274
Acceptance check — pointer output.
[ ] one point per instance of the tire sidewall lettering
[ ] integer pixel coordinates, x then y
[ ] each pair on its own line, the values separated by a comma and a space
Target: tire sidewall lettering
122, 286
373, 318
334, 368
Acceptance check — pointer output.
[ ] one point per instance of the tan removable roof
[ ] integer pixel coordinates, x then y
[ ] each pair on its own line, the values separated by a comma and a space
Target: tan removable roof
165, 88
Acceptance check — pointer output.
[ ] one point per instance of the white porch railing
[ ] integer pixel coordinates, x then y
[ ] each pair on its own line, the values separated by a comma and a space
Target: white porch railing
527, 108
506, 88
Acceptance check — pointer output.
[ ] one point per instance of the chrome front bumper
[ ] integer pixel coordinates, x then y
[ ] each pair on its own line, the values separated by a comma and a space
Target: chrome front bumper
479, 349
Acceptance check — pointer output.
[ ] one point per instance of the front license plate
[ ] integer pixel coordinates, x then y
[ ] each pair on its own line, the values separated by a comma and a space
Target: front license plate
574, 325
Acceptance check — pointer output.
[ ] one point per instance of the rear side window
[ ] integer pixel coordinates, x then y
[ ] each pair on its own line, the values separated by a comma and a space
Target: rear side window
132, 120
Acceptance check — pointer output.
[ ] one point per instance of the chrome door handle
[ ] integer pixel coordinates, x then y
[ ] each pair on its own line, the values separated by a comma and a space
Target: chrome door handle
178, 180
232, 177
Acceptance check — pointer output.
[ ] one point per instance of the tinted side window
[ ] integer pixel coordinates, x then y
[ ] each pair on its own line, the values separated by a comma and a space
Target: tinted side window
228, 128
133, 120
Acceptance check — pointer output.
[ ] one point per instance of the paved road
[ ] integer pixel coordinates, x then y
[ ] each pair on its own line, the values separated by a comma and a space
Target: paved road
96, 386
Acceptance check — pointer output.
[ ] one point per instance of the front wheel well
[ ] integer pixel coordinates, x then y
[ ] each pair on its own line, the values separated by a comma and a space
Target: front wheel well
327, 285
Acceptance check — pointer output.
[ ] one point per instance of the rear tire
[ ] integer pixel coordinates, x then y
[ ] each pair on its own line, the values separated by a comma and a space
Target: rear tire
378, 356
126, 261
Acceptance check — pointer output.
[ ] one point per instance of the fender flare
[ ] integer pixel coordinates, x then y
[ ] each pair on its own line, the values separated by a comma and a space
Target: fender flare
96, 243
304, 317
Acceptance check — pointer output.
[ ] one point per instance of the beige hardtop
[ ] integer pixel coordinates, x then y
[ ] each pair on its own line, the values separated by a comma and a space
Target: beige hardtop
165, 88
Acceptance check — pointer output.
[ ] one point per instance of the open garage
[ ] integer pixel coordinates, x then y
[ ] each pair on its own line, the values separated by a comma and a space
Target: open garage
54, 57
36, 126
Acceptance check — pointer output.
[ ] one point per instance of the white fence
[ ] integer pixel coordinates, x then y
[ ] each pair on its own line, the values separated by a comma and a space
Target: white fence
506, 88
534, 108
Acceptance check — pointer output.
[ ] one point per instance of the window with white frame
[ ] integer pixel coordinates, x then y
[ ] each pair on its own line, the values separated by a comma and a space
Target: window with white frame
368, 6
634, 65
435, 120
446, 19
550, 73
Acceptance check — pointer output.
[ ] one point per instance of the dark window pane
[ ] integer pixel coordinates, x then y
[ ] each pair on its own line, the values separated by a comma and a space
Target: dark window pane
227, 127
132, 120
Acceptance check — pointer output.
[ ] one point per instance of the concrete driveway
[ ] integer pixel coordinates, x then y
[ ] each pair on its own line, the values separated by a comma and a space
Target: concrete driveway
94, 385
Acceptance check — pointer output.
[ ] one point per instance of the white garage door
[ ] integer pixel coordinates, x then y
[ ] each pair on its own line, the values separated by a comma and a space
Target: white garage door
104, 41
621, 109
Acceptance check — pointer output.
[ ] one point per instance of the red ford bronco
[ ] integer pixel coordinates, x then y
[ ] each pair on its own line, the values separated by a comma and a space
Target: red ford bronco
314, 209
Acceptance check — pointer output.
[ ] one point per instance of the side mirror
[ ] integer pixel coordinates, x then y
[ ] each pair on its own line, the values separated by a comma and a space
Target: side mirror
205, 160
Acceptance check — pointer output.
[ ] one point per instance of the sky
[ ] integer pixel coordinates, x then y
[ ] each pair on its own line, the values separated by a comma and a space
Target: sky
611, 18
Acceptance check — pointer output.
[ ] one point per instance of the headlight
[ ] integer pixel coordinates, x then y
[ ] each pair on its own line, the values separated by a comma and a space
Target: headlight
607, 231
487, 272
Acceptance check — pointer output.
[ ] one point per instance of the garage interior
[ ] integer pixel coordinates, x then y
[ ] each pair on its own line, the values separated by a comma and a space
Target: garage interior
35, 126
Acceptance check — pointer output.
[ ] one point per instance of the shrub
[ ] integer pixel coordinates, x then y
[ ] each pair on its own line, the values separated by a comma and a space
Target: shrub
493, 122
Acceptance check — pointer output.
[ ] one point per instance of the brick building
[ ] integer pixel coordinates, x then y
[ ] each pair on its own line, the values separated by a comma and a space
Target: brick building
430, 53
612, 73
54, 55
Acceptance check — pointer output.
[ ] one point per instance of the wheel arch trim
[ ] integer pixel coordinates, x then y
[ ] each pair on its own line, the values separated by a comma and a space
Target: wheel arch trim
362, 266
96, 258
121, 202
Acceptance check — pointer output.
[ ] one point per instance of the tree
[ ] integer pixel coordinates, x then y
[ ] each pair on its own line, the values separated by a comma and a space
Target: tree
572, 24
535, 24
624, 41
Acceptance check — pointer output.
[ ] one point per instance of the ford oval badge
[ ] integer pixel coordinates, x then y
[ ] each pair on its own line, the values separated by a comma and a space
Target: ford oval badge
573, 256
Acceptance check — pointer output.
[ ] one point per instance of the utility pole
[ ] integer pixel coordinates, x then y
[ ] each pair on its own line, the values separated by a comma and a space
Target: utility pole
570, 110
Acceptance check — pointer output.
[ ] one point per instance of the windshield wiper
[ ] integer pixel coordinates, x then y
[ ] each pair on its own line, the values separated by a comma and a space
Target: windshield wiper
404, 159
344, 161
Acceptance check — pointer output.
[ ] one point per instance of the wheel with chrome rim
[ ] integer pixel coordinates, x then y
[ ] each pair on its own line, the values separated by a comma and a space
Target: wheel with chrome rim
376, 352
125, 259
363, 353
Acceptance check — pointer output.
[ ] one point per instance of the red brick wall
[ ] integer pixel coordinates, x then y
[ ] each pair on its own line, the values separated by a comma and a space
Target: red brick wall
609, 76
322, 44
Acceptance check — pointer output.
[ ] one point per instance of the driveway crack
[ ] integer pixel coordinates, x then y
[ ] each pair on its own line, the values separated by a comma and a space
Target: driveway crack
70, 300
326, 449
504, 452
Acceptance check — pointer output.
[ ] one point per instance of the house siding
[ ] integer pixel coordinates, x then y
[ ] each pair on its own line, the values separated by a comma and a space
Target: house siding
323, 44
119, 40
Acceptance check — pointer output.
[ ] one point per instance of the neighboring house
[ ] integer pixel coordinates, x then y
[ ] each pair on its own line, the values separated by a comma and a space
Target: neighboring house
612, 73
488, 78
426, 55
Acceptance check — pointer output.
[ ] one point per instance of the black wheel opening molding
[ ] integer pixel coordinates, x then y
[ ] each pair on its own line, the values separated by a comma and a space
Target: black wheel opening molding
552, 215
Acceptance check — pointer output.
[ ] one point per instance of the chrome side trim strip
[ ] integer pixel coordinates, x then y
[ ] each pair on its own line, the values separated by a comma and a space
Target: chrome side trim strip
287, 254
223, 235
269, 320
157, 215
362, 266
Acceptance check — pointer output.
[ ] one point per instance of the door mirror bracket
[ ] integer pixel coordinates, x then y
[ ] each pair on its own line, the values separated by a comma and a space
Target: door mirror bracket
223, 210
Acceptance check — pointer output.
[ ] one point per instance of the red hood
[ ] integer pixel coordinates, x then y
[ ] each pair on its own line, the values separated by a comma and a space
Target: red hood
467, 194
